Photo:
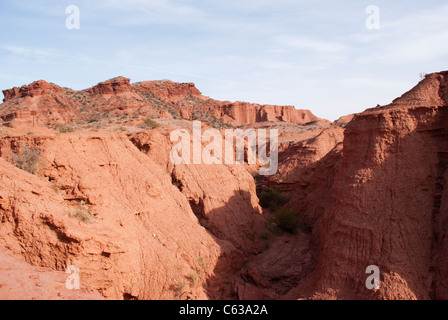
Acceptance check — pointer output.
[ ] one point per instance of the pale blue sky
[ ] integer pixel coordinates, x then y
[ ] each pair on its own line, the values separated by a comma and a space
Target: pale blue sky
315, 54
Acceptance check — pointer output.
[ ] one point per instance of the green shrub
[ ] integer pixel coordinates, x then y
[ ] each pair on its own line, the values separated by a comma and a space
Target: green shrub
149, 124
272, 198
179, 289
206, 116
194, 278
287, 220
82, 213
272, 227
63, 128
28, 160
201, 262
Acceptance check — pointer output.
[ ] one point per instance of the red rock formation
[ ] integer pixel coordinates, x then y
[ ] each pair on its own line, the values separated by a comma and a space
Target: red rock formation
379, 198
306, 171
343, 121
389, 203
141, 244
275, 271
113, 86
145, 241
20, 281
223, 197
10, 94
241, 113
167, 89
37, 88
117, 98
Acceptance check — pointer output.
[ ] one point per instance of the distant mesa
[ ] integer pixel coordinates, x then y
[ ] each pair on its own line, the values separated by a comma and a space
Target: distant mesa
117, 98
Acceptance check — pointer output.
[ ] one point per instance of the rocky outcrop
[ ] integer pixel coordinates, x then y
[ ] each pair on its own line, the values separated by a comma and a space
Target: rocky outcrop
307, 170
145, 239
343, 121
21, 281
166, 89
37, 88
241, 113
388, 203
432, 91
113, 86
223, 197
10, 94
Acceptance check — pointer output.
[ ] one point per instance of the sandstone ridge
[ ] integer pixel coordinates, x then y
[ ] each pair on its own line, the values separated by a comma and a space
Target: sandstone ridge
115, 98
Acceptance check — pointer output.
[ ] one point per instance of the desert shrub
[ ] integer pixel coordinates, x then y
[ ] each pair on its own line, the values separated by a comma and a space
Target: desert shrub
56, 186
286, 220
82, 213
28, 160
148, 124
272, 227
201, 115
272, 198
179, 289
205, 116
194, 278
219, 124
63, 128
201, 262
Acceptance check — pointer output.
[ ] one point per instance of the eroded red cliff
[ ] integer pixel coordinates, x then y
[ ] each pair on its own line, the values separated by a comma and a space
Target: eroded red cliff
389, 203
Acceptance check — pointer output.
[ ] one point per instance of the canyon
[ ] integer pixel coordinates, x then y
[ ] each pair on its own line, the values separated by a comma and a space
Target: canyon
86, 180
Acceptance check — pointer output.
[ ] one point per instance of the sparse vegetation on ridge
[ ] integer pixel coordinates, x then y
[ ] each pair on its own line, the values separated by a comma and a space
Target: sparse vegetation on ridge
64, 128
179, 289
27, 160
149, 124
82, 213
206, 116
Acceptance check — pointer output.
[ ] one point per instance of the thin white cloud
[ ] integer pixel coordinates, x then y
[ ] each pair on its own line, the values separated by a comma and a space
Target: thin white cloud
147, 12
119, 13
38, 53
309, 43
